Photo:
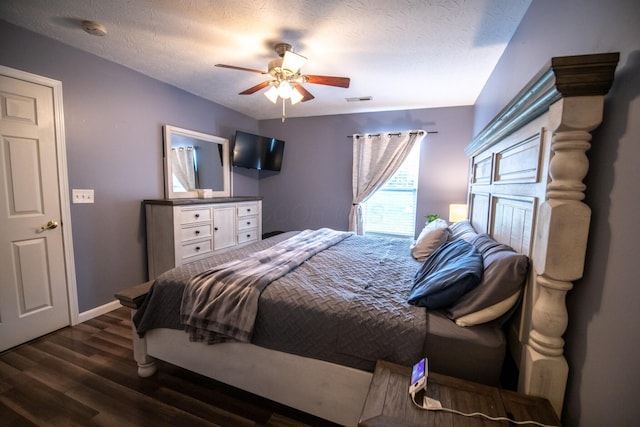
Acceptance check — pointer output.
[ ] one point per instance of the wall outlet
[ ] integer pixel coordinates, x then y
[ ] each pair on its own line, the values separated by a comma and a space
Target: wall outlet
82, 196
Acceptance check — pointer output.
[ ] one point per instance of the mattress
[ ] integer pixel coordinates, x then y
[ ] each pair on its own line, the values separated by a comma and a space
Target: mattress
346, 305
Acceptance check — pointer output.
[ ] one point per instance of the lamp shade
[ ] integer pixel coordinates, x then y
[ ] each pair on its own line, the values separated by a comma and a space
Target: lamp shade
457, 212
296, 96
272, 94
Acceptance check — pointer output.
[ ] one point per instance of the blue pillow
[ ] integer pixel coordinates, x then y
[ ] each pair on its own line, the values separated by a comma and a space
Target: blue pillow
452, 270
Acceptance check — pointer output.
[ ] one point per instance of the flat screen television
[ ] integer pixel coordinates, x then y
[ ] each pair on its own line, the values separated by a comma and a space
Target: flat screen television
257, 152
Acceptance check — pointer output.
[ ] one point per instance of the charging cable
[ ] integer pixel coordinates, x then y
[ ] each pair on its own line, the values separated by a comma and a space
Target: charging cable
435, 405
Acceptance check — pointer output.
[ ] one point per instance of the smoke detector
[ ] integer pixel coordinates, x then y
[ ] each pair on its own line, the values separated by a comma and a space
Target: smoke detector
94, 28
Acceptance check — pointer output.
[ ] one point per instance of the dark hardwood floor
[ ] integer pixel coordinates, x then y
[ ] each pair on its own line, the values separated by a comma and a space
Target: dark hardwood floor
85, 376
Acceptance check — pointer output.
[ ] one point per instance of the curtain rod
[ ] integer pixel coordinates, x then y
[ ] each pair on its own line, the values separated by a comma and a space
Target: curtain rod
395, 133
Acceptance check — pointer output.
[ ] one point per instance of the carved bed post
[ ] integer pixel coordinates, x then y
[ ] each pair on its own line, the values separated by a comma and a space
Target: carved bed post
133, 298
563, 223
146, 364
560, 246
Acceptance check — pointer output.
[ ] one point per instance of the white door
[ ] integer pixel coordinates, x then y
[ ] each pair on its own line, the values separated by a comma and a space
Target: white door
33, 283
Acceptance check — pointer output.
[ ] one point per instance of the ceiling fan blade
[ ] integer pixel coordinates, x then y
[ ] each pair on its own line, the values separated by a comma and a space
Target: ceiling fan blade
233, 67
306, 95
328, 80
292, 61
255, 88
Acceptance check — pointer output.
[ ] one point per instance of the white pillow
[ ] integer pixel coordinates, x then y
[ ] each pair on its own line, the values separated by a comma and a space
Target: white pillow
489, 313
431, 237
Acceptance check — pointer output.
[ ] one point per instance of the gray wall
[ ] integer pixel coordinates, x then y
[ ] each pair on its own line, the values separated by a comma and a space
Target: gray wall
113, 125
602, 345
313, 189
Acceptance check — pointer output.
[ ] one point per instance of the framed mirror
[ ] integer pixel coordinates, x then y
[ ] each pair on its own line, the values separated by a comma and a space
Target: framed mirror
195, 161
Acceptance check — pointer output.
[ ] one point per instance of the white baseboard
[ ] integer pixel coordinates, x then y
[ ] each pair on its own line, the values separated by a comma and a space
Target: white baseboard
98, 311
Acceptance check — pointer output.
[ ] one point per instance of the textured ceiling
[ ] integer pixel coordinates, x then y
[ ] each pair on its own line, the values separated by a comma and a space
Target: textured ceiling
405, 54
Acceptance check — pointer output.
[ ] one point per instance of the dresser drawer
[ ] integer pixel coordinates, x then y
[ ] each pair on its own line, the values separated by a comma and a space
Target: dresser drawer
247, 209
249, 235
197, 248
196, 232
190, 216
247, 222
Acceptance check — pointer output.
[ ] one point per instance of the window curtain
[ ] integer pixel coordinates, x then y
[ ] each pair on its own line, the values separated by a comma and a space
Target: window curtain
376, 157
184, 167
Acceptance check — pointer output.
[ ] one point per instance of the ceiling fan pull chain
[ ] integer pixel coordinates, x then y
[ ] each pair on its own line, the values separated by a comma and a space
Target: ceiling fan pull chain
283, 101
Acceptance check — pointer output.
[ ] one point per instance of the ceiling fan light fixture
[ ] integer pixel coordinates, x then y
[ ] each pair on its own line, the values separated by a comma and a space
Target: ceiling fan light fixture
296, 96
284, 90
272, 94
292, 61
285, 80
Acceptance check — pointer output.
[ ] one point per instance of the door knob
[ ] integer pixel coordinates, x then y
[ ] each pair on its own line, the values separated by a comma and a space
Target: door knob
49, 226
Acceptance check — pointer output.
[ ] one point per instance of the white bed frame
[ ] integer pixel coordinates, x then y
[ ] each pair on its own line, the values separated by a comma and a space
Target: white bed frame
526, 190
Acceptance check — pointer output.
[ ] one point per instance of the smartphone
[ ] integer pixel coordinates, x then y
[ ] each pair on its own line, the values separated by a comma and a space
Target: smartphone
418, 376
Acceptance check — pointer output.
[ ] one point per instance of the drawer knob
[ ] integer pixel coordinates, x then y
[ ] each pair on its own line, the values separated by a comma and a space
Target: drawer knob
248, 235
248, 222
248, 209
215, 228
197, 232
197, 215
197, 248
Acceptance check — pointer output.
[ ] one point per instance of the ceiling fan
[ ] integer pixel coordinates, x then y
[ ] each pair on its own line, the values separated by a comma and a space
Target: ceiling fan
286, 80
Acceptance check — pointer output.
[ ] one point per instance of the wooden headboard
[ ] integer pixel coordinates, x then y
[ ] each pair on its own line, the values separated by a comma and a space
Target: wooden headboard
526, 190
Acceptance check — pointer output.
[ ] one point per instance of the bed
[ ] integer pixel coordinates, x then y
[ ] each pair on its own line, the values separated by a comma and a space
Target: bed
525, 194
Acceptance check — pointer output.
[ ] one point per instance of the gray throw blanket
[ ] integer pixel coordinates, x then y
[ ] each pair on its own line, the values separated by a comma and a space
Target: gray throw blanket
221, 304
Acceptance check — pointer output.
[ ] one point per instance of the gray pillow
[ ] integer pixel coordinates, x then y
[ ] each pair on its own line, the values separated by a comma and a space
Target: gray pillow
504, 275
462, 230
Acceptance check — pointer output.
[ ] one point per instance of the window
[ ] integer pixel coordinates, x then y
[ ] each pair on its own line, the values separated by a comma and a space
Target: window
392, 209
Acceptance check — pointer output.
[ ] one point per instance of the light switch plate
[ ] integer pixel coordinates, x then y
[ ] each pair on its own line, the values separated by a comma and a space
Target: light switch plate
82, 196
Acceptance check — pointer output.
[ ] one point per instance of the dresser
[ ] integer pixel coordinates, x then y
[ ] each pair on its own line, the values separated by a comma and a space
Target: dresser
184, 230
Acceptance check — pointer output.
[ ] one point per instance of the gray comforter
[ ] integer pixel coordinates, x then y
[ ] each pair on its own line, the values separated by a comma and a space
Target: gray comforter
346, 304
221, 303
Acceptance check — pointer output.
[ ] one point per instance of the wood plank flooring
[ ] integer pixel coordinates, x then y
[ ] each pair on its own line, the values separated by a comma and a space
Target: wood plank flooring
85, 376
